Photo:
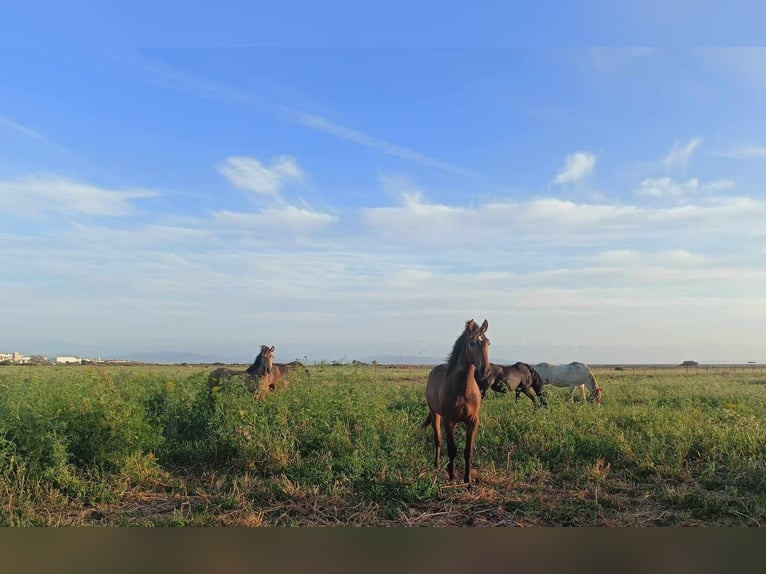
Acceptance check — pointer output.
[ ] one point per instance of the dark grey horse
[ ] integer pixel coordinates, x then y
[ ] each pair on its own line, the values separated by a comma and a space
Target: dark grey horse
519, 377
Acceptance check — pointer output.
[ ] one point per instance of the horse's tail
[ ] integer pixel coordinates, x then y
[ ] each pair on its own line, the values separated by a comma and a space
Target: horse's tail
426, 423
537, 381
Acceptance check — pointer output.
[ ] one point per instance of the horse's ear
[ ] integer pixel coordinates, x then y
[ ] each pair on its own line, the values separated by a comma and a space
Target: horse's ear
470, 325
484, 326
272, 349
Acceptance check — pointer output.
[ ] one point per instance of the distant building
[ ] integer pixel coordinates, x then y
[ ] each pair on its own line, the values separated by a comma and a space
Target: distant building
689, 364
66, 360
16, 358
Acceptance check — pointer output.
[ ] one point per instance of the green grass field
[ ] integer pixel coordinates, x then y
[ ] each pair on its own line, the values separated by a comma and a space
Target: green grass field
84, 445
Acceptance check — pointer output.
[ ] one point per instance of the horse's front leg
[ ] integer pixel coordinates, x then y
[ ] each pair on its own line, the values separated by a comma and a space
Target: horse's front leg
471, 427
527, 392
436, 423
451, 448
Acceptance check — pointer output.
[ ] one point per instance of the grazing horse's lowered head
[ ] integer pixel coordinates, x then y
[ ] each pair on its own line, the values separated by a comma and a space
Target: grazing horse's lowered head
492, 381
453, 393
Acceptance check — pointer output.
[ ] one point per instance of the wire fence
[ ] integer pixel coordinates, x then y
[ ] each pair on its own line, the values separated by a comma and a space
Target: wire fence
754, 368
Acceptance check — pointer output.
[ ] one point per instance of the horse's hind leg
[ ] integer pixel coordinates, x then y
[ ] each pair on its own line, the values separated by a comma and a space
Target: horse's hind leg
451, 449
527, 392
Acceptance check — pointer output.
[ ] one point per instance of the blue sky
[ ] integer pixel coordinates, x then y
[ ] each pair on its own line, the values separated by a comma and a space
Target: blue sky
594, 204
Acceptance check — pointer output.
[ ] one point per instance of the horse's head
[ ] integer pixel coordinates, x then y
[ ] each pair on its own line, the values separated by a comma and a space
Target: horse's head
267, 356
477, 347
596, 395
263, 362
494, 381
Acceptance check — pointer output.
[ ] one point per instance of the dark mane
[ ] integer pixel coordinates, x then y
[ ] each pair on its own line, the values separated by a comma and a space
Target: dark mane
454, 357
256, 366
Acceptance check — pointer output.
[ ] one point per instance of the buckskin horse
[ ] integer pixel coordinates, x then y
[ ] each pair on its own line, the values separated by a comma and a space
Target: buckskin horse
453, 394
256, 377
519, 377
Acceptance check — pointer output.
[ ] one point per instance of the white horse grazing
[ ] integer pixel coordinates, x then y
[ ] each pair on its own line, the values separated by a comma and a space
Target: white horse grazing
572, 375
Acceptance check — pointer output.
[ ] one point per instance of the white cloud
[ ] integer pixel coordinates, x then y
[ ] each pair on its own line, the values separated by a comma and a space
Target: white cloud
36, 195
311, 299
576, 166
679, 155
249, 174
545, 222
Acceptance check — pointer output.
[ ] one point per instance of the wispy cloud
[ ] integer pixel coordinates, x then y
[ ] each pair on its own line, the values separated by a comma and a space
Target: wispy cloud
608, 59
666, 187
679, 155
36, 195
288, 217
206, 87
576, 166
26, 131
634, 258
19, 128
326, 126
249, 174
749, 152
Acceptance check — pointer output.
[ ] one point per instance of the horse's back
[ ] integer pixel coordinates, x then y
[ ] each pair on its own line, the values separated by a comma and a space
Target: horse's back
214, 378
513, 376
526, 374
278, 375
252, 383
571, 374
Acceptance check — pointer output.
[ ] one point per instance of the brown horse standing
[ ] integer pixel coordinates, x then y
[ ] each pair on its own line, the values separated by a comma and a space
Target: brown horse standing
453, 394
257, 377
